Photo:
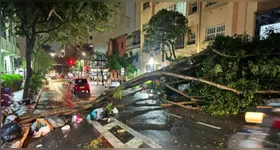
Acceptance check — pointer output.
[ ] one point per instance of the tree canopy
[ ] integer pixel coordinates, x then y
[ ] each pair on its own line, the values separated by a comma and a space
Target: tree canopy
164, 28
55, 21
116, 62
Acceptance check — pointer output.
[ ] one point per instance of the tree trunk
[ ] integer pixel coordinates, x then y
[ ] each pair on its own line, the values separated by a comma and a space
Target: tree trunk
173, 50
28, 54
102, 77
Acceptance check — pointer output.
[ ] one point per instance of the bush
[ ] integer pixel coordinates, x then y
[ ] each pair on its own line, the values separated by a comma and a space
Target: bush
12, 81
36, 82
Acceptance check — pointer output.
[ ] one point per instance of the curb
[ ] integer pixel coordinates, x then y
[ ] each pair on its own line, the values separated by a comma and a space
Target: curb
38, 97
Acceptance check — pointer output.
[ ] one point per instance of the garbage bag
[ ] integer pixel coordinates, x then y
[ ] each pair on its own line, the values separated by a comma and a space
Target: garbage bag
42, 131
10, 131
58, 121
41, 122
99, 113
115, 110
77, 119
10, 119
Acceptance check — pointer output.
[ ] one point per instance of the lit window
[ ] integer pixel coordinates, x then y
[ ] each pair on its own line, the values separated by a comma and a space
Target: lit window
212, 32
146, 5
181, 7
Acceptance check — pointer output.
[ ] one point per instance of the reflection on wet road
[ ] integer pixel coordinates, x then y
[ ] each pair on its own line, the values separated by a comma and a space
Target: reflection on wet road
167, 129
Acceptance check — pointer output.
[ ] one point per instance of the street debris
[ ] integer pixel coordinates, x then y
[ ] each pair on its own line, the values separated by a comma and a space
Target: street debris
38, 146
10, 131
58, 121
10, 119
115, 110
65, 128
41, 127
42, 132
77, 119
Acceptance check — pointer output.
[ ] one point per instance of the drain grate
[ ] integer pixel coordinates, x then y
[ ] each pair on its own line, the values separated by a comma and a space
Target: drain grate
121, 134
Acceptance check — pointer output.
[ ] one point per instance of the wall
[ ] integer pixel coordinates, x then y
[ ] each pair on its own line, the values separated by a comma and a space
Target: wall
138, 16
121, 25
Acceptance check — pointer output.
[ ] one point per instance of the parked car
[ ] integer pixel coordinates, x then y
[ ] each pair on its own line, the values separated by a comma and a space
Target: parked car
80, 84
112, 84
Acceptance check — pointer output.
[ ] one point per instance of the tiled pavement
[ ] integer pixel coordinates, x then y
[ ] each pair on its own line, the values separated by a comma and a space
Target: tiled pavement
120, 135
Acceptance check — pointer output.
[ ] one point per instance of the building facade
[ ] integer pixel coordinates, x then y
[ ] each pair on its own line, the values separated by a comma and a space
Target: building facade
9, 49
206, 20
117, 45
133, 49
120, 25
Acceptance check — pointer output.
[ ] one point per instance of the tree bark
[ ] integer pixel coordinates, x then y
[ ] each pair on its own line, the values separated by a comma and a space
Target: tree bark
173, 50
173, 89
29, 49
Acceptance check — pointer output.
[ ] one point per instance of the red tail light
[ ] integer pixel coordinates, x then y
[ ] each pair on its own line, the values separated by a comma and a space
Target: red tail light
276, 124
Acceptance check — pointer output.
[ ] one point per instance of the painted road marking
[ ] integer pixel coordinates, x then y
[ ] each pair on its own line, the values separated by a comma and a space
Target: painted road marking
109, 126
134, 143
137, 141
208, 125
148, 141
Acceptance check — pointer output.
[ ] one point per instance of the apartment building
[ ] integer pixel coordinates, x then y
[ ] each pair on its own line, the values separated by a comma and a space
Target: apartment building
9, 49
118, 45
206, 20
133, 49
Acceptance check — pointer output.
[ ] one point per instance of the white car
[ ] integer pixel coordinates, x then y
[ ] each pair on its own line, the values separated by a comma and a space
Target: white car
112, 84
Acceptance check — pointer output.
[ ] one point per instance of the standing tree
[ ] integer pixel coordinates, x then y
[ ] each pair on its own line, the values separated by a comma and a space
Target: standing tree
163, 30
54, 21
116, 62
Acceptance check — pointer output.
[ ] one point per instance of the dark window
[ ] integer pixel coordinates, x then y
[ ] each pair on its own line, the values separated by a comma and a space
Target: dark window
81, 81
146, 5
194, 8
117, 46
90, 37
137, 57
179, 43
191, 39
122, 45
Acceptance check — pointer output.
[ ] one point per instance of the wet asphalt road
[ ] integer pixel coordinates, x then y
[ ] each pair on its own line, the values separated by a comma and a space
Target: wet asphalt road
170, 130
162, 126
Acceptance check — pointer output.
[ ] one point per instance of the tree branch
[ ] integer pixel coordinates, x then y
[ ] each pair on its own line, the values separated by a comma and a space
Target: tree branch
268, 92
221, 54
203, 81
173, 89
61, 24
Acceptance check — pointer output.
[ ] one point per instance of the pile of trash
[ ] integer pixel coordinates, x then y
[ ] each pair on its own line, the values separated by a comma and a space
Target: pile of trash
13, 135
102, 113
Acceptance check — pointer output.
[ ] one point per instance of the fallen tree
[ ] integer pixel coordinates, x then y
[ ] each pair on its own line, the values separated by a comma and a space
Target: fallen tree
233, 84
